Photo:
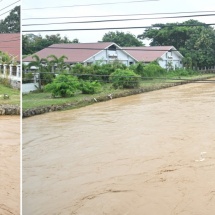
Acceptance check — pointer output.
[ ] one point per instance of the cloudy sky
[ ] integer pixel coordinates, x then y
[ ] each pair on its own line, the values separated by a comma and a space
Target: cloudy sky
75, 9
6, 6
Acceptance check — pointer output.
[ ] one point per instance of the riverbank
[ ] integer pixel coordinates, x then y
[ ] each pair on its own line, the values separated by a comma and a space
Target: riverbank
6, 109
84, 100
9, 101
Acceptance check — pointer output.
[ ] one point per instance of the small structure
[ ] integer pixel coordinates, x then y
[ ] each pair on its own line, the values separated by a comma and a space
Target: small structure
167, 56
86, 53
10, 44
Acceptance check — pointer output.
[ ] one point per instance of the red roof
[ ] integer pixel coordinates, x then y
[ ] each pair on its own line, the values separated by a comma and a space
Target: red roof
10, 44
147, 54
75, 52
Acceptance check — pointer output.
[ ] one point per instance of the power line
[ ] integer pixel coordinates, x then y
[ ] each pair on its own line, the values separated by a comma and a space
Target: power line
6, 12
9, 5
117, 28
119, 20
86, 5
77, 17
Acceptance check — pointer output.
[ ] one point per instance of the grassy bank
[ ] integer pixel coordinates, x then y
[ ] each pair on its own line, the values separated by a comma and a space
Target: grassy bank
14, 95
44, 99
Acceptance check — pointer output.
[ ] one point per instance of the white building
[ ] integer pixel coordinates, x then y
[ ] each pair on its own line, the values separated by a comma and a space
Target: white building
167, 56
86, 53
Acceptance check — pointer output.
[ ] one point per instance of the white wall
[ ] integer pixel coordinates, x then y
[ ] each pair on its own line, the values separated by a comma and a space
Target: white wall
172, 57
28, 87
105, 56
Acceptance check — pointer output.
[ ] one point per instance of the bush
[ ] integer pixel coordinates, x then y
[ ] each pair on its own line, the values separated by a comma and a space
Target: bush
182, 72
27, 77
125, 79
153, 70
138, 68
63, 86
88, 87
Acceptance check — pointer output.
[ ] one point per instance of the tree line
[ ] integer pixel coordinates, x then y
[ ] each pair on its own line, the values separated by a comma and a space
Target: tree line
195, 40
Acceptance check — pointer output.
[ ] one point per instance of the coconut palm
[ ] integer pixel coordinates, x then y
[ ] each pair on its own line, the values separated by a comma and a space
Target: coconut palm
41, 66
58, 62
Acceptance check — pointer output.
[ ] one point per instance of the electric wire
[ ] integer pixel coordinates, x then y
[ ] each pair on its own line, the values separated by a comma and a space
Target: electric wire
10, 5
6, 12
119, 20
146, 14
114, 28
84, 5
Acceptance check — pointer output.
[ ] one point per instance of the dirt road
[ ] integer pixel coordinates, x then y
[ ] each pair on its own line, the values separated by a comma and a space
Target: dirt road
152, 153
9, 165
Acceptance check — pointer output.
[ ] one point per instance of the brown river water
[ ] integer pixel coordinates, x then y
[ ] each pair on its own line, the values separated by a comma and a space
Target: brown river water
9, 165
147, 154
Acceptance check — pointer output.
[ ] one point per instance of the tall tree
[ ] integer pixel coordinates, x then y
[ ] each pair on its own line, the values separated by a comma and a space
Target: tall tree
122, 39
40, 64
195, 40
11, 24
57, 63
32, 43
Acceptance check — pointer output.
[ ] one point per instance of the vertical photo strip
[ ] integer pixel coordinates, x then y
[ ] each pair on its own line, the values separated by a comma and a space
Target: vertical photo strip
10, 129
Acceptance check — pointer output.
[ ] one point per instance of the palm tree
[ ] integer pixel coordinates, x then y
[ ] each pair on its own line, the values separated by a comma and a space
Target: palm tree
40, 64
58, 62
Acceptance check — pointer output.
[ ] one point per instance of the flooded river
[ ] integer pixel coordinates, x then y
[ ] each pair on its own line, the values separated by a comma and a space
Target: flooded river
9, 165
152, 153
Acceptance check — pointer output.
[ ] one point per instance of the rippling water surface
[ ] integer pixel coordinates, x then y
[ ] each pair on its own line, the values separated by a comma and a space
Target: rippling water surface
135, 155
9, 165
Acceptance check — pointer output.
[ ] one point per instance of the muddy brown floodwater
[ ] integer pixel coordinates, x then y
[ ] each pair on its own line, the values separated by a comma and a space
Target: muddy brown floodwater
9, 165
152, 153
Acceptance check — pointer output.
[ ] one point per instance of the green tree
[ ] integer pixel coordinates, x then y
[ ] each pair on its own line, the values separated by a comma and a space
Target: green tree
11, 24
57, 63
194, 39
6, 58
40, 64
125, 79
122, 39
63, 86
32, 43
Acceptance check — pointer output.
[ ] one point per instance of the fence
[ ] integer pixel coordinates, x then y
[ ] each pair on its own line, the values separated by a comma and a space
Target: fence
12, 73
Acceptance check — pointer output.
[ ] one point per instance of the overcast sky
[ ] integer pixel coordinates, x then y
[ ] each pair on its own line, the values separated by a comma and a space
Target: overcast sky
161, 6
6, 6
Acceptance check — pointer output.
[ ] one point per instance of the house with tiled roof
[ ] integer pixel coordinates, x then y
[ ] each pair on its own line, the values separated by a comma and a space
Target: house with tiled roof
10, 44
166, 56
86, 53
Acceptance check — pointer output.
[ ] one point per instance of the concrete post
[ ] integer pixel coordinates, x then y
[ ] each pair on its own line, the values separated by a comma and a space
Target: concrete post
5, 70
10, 70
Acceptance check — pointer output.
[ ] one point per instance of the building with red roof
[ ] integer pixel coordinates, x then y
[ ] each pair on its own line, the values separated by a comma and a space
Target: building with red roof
165, 55
86, 53
10, 44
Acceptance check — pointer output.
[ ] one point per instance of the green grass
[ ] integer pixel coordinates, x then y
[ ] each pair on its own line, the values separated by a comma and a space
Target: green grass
33, 100
14, 95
